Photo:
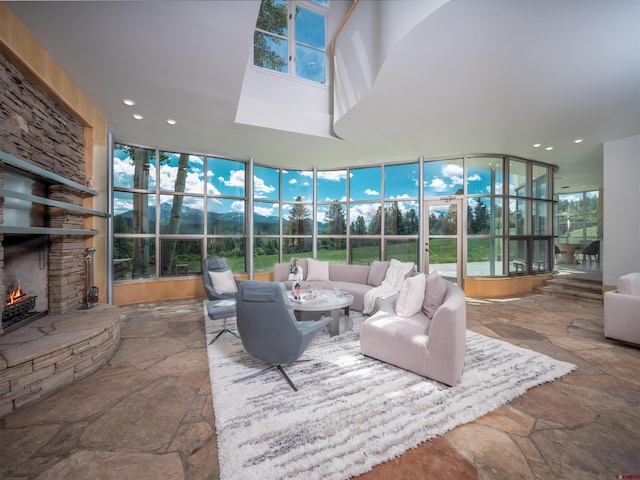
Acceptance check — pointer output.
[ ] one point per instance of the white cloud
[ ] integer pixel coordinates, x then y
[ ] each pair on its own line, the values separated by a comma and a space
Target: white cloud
121, 205
333, 200
474, 178
450, 170
371, 192
238, 206
260, 188
124, 170
438, 184
212, 190
367, 210
293, 181
453, 173
236, 179
333, 176
265, 211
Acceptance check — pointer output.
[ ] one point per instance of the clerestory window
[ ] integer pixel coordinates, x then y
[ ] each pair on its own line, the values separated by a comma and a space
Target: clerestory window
290, 38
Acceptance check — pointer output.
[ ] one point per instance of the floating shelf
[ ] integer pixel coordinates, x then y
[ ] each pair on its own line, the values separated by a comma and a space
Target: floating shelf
42, 173
53, 178
4, 229
69, 207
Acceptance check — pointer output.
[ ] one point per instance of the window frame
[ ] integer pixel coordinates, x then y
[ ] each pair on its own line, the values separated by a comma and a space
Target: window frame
292, 40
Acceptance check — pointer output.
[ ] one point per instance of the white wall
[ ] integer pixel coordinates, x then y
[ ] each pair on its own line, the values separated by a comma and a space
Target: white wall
621, 241
370, 33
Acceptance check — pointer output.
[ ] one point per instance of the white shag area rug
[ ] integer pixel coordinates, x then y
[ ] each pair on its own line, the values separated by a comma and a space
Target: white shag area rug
351, 412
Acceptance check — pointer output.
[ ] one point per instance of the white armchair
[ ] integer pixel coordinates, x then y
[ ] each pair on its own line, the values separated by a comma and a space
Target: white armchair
622, 311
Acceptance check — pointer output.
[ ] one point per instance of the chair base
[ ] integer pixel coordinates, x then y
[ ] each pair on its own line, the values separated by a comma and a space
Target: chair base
225, 329
279, 369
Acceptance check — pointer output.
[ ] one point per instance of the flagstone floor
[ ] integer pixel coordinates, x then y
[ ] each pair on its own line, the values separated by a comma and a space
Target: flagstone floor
148, 413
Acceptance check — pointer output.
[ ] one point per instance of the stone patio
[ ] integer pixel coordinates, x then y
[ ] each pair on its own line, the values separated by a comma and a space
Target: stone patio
148, 413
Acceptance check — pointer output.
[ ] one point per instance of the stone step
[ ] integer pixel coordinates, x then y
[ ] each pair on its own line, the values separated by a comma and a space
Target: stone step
580, 295
577, 288
576, 284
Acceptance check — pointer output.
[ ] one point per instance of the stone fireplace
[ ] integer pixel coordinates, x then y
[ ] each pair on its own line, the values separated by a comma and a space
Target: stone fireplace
43, 184
44, 240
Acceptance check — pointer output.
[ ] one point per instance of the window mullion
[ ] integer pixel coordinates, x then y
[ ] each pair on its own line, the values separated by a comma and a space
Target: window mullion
292, 38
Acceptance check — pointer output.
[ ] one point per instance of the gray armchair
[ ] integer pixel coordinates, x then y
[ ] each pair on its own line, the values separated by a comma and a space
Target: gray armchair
221, 305
216, 264
268, 328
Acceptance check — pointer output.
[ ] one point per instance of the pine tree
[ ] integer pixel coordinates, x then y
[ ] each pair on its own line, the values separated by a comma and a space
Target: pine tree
359, 227
297, 225
335, 221
376, 222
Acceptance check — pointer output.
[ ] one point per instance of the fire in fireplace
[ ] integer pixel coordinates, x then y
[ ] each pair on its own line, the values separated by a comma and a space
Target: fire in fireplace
18, 307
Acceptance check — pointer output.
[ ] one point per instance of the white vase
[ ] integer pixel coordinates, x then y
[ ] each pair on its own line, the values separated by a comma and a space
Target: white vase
295, 277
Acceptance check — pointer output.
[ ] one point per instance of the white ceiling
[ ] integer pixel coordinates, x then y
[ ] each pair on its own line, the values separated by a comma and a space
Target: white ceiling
488, 76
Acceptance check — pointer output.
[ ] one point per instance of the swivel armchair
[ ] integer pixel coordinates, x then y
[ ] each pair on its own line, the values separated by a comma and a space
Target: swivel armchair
268, 328
221, 294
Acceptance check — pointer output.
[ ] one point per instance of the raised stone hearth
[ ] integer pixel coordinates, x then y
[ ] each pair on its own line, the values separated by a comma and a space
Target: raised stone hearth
53, 352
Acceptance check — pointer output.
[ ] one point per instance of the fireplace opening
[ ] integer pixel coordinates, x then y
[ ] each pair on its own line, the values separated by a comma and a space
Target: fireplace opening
26, 272
19, 307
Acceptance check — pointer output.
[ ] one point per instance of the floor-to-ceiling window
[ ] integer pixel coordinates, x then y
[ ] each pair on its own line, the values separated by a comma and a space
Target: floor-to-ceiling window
161, 224
331, 215
282, 215
485, 212
489, 215
402, 212
226, 206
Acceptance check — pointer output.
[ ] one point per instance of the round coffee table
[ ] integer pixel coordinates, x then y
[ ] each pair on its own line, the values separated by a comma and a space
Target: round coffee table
337, 303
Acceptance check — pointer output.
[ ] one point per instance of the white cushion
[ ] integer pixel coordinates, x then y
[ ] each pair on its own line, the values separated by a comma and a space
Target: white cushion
629, 284
411, 295
434, 294
223, 282
317, 270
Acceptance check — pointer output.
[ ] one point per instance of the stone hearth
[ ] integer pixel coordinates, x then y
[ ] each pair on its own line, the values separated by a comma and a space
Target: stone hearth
54, 351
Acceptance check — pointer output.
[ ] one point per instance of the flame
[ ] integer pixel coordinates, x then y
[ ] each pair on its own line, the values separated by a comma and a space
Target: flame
14, 295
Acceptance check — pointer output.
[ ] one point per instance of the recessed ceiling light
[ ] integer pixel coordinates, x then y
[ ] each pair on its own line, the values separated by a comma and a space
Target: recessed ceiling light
128, 102
171, 121
549, 148
536, 145
137, 116
577, 140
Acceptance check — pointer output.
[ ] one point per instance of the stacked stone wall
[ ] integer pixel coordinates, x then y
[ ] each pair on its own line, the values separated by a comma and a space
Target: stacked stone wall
37, 129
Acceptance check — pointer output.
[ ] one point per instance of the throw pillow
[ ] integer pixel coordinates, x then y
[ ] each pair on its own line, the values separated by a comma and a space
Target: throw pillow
223, 282
317, 270
377, 272
411, 295
434, 294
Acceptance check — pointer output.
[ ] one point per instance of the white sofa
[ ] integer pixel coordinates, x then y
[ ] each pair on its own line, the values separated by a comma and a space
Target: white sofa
432, 347
355, 279
622, 311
